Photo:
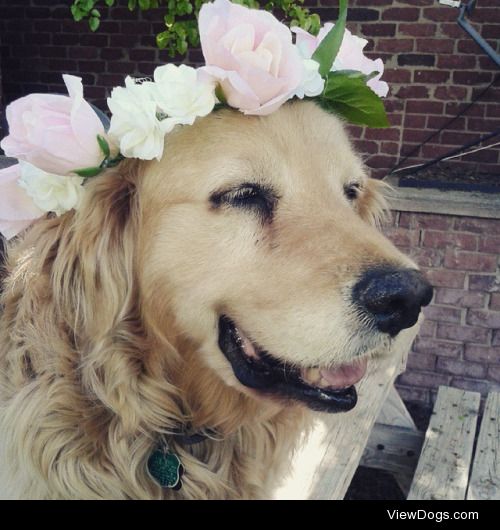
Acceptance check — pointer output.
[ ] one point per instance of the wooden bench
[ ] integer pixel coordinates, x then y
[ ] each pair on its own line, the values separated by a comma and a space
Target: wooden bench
324, 467
485, 478
380, 433
444, 466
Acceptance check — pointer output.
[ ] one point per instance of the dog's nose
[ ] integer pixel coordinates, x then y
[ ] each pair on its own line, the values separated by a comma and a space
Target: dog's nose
392, 297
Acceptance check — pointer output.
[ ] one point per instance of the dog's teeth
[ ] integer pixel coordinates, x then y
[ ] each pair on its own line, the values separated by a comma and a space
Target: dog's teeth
312, 376
245, 344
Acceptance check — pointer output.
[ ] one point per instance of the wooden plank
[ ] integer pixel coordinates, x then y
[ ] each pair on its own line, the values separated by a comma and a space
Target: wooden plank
393, 449
485, 479
396, 450
394, 412
324, 467
449, 202
443, 468
404, 481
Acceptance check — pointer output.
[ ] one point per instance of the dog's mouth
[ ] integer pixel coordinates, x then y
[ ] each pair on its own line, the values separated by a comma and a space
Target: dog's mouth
322, 389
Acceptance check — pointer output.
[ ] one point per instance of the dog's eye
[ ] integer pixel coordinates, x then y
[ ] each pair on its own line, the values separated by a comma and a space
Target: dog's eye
247, 196
351, 191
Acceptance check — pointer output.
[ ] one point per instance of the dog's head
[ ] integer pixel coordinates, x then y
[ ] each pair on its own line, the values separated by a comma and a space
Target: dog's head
251, 249
257, 236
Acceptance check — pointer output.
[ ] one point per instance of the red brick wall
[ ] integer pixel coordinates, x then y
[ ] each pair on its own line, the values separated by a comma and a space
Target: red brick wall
459, 342
432, 65
434, 69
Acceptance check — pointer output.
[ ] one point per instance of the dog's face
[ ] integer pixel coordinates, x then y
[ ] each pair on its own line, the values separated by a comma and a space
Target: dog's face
257, 235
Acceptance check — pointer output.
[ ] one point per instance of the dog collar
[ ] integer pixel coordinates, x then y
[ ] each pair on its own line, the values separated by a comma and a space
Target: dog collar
192, 439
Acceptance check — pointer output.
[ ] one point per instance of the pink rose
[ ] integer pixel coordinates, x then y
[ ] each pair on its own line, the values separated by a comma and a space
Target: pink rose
55, 133
350, 56
17, 209
251, 54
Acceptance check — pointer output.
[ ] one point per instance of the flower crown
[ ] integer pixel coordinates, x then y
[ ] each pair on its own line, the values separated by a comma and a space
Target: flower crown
252, 64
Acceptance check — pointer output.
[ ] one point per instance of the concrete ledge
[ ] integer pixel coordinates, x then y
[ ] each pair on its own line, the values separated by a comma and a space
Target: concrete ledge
468, 204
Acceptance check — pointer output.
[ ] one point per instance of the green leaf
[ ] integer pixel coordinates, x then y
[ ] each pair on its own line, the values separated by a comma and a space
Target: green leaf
358, 74
132, 4
351, 98
315, 24
77, 14
95, 13
182, 46
144, 4
86, 5
371, 76
353, 74
329, 48
103, 144
88, 171
112, 162
179, 30
162, 39
192, 34
110, 3
220, 95
94, 23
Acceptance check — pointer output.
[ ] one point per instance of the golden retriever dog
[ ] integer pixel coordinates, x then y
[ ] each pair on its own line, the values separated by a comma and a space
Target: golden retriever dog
208, 303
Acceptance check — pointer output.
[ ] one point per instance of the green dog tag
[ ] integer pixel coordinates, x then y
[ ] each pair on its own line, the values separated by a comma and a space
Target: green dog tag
166, 469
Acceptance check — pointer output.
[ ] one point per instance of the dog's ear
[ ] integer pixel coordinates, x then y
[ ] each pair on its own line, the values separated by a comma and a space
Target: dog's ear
372, 205
95, 291
71, 327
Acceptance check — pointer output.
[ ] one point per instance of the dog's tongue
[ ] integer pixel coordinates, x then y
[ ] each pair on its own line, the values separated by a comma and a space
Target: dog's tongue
345, 375
341, 377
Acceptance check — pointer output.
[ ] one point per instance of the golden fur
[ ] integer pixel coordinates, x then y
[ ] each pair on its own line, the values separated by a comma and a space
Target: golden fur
108, 337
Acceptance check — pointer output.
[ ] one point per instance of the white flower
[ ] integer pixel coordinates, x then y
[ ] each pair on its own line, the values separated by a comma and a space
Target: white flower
134, 121
143, 113
181, 95
312, 83
51, 193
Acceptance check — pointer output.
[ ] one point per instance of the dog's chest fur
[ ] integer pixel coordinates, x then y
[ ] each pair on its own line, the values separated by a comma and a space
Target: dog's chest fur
45, 455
